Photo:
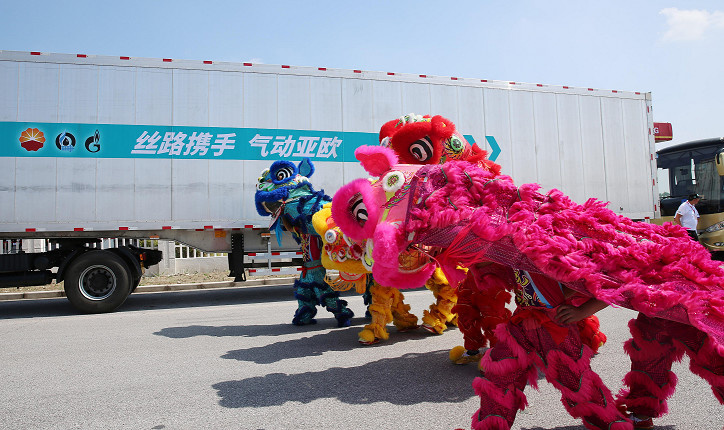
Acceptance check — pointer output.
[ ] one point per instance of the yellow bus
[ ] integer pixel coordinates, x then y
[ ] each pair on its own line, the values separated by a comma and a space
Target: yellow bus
695, 167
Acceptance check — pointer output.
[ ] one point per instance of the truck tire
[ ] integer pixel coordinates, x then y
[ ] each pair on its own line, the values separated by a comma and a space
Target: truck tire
135, 281
97, 281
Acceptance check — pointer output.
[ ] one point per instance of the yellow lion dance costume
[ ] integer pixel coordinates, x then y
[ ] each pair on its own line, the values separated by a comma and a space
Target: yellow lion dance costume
387, 303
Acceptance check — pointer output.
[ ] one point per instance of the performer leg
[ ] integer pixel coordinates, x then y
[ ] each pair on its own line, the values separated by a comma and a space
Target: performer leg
314, 272
331, 301
380, 310
440, 314
480, 308
367, 298
401, 316
470, 322
307, 303
704, 360
584, 395
508, 367
326, 296
650, 381
470, 317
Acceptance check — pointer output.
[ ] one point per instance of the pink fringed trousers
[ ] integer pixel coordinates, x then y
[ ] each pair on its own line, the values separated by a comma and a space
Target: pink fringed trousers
656, 343
531, 341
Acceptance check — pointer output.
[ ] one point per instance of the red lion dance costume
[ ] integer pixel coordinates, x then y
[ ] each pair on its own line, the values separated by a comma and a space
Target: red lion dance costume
457, 214
423, 140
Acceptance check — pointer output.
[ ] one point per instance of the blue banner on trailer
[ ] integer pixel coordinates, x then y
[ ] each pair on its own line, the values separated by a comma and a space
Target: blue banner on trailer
32, 139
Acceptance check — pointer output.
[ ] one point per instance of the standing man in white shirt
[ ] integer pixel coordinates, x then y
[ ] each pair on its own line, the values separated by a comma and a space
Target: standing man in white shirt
688, 217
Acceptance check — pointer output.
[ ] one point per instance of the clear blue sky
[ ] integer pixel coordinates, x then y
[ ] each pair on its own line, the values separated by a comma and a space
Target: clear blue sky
672, 49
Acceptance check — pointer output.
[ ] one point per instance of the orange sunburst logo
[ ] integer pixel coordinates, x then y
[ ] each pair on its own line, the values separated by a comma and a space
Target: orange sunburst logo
32, 139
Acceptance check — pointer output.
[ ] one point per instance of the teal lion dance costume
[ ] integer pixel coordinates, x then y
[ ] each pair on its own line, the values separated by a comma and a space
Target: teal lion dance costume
285, 193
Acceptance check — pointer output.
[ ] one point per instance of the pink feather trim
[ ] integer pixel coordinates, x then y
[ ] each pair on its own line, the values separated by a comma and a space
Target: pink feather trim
509, 397
642, 380
641, 404
388, 245
652, 269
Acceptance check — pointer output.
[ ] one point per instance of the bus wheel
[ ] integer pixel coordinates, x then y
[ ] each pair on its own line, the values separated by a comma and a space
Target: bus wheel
97, 281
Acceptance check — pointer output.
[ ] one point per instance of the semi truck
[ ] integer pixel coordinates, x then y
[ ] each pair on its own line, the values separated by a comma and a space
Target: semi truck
100, 146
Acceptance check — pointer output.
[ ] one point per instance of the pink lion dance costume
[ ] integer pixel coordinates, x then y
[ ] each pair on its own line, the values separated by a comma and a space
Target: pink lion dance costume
422, 140
457, 214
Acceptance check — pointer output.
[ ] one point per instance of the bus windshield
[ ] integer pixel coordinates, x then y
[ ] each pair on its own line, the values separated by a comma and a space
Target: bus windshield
687, 171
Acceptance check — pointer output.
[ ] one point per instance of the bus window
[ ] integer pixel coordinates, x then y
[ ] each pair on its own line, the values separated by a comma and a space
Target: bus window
684, 180
663, 181
719, 161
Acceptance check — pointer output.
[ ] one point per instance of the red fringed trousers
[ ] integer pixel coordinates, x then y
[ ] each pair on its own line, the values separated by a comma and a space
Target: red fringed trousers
531, 341
656, 343
480, 307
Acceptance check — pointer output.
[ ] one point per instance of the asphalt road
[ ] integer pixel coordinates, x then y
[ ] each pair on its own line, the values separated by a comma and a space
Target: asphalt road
230, 358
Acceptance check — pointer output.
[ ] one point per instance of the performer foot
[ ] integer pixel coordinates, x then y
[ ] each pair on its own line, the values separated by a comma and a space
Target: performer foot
307, 322
641, 422
459, 355
429, 328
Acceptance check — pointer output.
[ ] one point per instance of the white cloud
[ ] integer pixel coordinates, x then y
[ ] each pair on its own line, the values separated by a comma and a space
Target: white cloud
690, 24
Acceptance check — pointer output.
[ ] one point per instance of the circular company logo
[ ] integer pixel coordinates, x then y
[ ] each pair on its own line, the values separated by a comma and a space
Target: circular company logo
92, 144
65, 142
32, 139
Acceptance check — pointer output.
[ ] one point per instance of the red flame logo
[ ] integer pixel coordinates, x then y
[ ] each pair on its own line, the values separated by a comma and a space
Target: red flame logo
32, 139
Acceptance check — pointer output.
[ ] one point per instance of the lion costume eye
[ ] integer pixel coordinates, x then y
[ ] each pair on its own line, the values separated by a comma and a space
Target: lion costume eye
330, 236
454, 145
263, 180
284, 173
358, 210
393, 181
422, 149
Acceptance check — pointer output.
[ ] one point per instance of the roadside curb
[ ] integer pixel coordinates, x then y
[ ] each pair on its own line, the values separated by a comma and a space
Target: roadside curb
253, 283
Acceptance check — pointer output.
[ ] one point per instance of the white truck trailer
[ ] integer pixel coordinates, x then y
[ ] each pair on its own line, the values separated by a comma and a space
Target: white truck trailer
97, 146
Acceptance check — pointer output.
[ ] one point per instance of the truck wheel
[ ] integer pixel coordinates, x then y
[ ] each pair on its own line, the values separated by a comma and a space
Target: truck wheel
97, 281
135, 280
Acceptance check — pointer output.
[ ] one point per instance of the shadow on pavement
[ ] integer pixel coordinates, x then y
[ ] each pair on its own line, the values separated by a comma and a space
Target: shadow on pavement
394, 380
36, 308
162, 300
209, 297
316, 345
253, 330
